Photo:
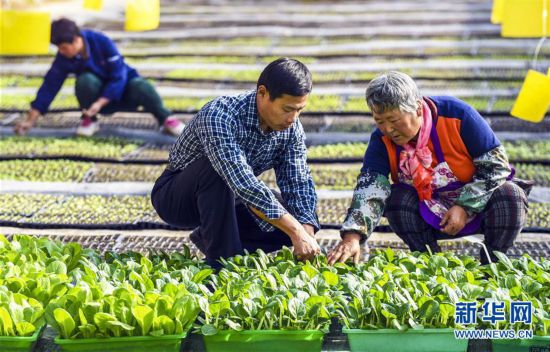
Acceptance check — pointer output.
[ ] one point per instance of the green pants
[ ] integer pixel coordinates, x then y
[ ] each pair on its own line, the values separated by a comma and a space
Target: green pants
138, 92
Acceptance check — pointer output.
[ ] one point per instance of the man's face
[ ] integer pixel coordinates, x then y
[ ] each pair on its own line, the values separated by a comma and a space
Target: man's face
70, 50
281, 113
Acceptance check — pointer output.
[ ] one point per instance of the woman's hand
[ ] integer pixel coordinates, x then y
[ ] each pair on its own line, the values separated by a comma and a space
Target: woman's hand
454, 220
349, 247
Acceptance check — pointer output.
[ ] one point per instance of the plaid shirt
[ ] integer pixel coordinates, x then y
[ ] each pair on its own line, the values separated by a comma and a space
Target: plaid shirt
227, 131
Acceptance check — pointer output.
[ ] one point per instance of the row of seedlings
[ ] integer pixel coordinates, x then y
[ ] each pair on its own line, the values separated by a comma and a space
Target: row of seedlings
136, 212
260, 302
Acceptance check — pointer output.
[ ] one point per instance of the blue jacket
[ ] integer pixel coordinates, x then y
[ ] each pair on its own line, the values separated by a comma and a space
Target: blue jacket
104, 60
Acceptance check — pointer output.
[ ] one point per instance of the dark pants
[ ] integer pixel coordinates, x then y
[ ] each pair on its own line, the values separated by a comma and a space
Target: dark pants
138, 92
502, 220
198, 197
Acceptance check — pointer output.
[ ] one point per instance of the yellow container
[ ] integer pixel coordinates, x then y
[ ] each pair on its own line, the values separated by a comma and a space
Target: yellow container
24, 32
496, 14
142, 15
95, 5
534, 97
523, 18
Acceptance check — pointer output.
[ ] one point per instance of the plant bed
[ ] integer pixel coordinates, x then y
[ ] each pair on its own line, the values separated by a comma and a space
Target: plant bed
265, 340
169, 343
97, 147
19, 343
425, 340
21, 317
408, 299
261, 302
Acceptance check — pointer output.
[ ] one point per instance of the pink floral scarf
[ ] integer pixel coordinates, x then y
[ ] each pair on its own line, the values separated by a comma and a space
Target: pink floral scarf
415, 160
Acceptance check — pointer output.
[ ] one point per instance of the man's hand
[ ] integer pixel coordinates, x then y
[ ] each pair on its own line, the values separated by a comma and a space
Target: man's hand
349, 247
309, 229
96, 107
454, 220
305, 245
24, 126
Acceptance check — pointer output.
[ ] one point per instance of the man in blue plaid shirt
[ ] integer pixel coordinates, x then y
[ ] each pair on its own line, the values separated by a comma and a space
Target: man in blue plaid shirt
211, 181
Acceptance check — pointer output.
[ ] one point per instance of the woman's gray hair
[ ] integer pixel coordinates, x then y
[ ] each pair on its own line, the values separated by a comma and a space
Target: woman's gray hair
393, 90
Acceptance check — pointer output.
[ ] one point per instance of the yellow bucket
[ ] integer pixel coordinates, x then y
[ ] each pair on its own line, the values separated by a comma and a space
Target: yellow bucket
95, 5
523, 18
534, 97
496, 14
24, 32
142, 15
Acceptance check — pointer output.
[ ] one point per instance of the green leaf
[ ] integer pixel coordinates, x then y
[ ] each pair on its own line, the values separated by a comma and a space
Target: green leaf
179, 328
415, 325
389, 254
4, 243
330, 278
163, 306
469, 277
429, 309
102, 321
74, 250
144, 316
447, 312
117, 327
208, 330
82, 317
89, 310
146, 264
399, 326
87, 330
202, 275
437, 262
25, 329
165, 324
156, 333
65, 322
6, 323
502, 258
233, 325
219, 305
530, 286
57, 267
151, 298
310, 270
471, 292
389, 315
511, 281
296, 308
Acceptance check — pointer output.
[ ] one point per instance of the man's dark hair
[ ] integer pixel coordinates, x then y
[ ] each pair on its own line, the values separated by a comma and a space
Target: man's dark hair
64, 31
286, 76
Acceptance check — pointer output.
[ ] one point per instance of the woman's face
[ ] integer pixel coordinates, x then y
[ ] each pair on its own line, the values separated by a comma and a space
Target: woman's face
400, 126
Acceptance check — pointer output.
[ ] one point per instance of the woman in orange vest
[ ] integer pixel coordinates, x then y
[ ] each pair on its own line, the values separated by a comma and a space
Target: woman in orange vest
450, 175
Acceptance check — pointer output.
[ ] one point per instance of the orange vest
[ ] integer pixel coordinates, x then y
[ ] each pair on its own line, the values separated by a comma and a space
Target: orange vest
456, 155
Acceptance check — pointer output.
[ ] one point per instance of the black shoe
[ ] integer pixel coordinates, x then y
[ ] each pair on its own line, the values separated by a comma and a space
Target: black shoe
196, 238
